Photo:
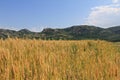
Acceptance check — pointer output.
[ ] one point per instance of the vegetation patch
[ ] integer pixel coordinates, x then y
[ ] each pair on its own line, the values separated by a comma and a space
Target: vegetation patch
59, 60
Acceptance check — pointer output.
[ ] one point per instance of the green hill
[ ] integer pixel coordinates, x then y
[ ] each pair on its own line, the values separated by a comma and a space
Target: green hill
79, 32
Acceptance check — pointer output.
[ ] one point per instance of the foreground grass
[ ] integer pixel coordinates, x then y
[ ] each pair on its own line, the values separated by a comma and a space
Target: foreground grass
58, 60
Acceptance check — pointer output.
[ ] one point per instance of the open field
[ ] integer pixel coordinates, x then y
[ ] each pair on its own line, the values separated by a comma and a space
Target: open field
59, 60
117, 44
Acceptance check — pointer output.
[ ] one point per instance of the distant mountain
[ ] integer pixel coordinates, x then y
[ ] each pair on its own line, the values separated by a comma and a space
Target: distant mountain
115, 29
71, 33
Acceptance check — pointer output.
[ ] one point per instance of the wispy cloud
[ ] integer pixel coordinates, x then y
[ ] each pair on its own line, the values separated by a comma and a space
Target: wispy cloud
115, 1
105, 16
8, 27
36, 28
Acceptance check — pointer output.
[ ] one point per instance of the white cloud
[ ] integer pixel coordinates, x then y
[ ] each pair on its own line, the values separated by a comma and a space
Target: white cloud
36, 28
8, 27
104, 16
115, 1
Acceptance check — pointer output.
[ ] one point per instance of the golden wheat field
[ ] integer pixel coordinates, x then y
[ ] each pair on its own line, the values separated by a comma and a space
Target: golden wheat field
59, 60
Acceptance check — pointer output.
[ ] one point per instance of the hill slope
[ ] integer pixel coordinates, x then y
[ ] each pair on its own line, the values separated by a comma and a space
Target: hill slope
71, 33
83, 32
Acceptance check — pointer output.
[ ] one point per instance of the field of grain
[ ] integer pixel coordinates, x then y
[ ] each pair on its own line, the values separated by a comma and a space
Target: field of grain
59, 60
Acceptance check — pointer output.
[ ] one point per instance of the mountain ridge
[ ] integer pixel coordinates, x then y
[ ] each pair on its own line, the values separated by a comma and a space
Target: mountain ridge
79, 32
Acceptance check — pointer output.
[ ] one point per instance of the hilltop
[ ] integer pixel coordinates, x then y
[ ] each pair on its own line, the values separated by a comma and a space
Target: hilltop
79, 32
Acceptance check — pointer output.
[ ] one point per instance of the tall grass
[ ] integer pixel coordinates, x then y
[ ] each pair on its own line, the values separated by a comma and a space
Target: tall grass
58, 60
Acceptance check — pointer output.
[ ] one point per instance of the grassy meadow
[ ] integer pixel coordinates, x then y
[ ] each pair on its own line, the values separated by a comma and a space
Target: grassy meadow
59, 60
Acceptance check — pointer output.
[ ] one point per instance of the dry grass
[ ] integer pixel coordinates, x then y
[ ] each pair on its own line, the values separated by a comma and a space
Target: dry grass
58, 60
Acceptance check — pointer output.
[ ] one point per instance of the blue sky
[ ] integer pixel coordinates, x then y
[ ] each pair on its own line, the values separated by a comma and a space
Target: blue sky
38, 14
